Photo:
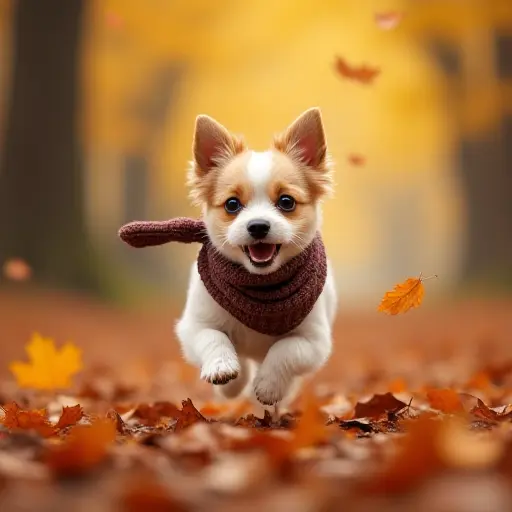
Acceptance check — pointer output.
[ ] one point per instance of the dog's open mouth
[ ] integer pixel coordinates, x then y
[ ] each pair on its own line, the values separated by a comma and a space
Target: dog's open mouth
261, 254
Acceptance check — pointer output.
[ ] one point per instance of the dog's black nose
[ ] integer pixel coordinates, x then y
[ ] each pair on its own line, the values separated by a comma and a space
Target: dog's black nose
258, 228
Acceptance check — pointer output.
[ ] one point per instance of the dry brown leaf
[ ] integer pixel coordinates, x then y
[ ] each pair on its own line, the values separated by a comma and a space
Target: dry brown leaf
482, 411
253, 421
70, 416
363, 74
378, 406
17, 419
152, 414
85, 447
445, 400
121, 426
188, 415
388, 20
404, 296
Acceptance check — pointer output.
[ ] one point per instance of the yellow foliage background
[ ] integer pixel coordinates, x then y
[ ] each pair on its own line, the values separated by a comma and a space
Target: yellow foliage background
148, 68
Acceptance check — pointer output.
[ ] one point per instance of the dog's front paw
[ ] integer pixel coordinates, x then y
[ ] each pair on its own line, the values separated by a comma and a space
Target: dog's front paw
220, 370
270, 390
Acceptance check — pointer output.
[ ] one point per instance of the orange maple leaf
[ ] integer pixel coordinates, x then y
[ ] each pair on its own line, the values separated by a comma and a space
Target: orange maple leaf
16, 418
84, 448
70, 416
48, 368
364, 74
404, 296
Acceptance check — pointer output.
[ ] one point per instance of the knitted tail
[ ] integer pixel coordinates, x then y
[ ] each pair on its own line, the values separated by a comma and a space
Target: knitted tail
148, 233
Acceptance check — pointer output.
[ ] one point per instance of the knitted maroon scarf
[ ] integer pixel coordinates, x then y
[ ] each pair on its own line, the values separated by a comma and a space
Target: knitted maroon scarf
273, 304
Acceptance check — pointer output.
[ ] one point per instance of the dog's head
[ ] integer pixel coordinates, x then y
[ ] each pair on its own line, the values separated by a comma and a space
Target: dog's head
261, 208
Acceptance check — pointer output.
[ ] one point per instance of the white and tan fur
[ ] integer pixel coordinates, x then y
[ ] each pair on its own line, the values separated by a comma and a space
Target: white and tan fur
296, 165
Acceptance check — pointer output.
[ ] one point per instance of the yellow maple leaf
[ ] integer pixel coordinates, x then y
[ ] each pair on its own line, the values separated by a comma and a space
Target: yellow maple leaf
404, 296
49, 368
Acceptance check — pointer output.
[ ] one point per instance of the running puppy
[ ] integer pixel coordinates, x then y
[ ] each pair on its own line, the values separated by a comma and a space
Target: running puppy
261, 300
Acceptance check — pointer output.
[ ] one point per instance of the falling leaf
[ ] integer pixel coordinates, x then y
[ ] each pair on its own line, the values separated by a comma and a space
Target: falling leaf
188, 415
356, 160
84, 448
49, 368
388, 20
70, 416
113, 20
17, 269
445, 400
17, 419
378, 406
404, 296
363, 74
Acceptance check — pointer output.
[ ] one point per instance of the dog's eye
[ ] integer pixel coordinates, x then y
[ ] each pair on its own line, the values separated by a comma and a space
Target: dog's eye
232, 205
286, 203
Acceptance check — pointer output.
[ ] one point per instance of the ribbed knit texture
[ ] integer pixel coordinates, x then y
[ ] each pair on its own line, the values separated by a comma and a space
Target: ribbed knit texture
272, 304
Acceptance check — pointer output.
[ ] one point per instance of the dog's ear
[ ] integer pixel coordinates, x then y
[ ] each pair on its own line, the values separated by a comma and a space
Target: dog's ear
213, 144
304, 139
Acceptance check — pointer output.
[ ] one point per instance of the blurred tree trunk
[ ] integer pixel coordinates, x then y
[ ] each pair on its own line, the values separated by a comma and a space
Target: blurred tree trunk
488, 181
41, 198
484, 159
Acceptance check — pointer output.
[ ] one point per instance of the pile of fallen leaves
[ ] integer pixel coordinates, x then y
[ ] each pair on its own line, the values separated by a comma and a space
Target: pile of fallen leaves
106, 446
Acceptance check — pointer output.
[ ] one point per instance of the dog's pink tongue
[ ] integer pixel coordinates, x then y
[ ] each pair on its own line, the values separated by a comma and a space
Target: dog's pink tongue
262, 252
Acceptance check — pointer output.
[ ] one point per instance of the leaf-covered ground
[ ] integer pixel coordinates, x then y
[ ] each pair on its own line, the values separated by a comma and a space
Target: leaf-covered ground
412, 412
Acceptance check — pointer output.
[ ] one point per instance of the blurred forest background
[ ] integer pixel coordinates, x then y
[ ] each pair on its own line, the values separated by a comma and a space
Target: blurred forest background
97, 106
